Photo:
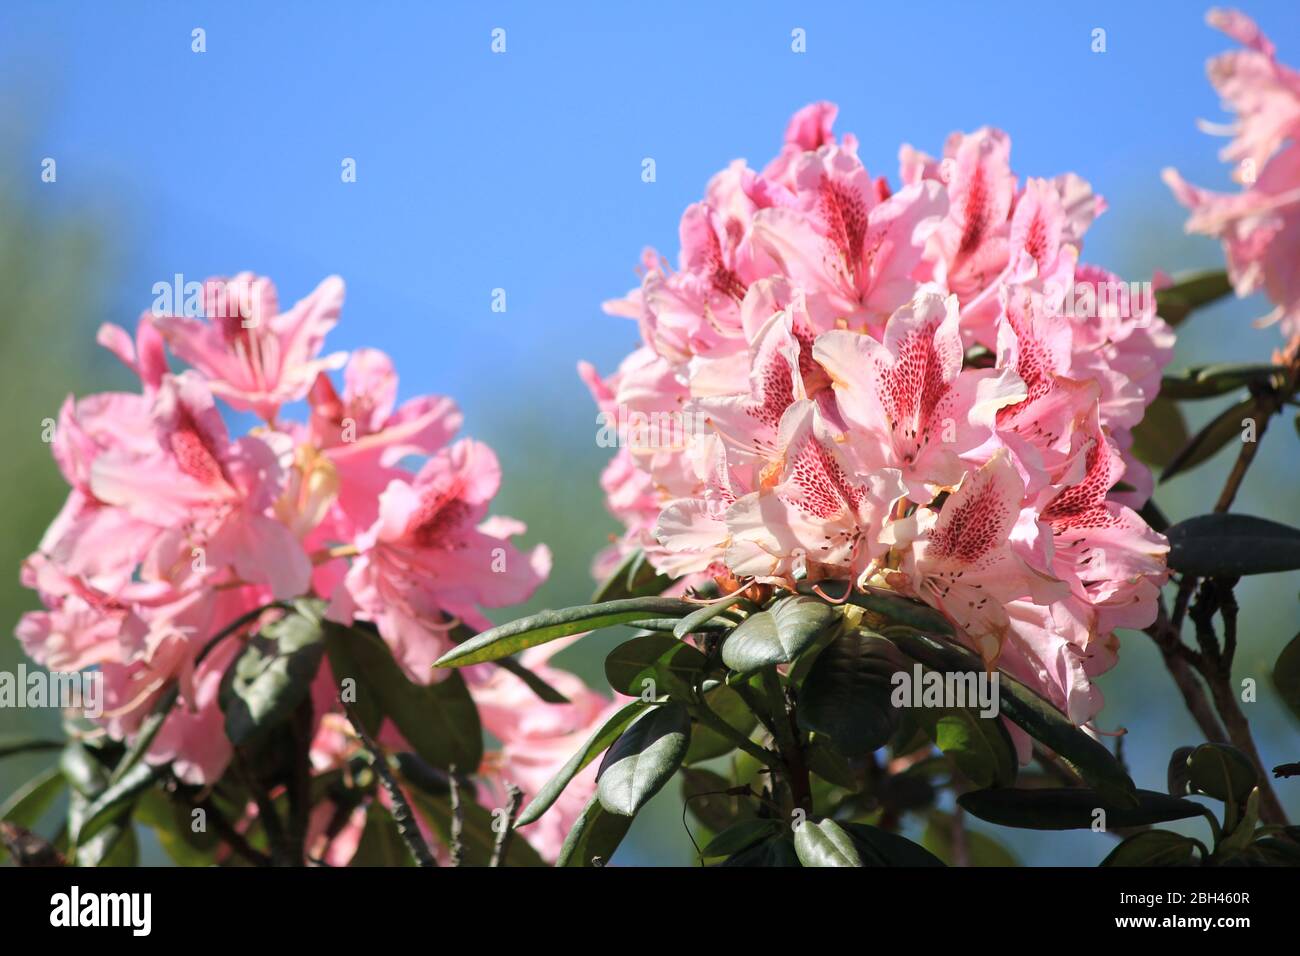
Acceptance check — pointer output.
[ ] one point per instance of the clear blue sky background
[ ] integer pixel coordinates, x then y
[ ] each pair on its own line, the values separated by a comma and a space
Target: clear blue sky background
522, 171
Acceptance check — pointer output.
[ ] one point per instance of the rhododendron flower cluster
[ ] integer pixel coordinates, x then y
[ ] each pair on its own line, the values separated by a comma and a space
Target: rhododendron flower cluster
1259, 226
915, 386
175, 530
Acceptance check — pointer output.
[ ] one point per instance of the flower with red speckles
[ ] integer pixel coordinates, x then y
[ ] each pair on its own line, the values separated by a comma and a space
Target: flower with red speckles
918, 388
174, 530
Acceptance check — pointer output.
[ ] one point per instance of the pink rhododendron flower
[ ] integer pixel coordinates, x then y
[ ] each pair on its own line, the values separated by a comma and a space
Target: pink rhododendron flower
1260, 225
917, 386
537, 739
174, 529
254, 356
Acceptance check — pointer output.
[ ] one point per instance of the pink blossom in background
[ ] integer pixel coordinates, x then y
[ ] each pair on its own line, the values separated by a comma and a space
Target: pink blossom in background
918, 386
174, 528
1259, 226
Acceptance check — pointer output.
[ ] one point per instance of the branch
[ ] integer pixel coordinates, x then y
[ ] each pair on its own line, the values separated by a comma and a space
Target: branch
515, 799
407, 828
457, 836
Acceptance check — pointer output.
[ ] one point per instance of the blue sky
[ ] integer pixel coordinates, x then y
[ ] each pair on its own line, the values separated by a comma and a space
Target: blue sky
522, 170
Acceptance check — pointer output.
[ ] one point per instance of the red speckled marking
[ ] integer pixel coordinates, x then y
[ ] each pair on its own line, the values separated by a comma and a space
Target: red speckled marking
969, 529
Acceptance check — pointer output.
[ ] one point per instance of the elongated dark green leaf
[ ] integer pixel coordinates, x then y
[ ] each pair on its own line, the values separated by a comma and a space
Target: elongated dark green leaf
272, 676
879, 847
643, 759
594, 837
1161, 434
1036, 716
778, 635
28, 803
12, 746
896, 609
846, 695
1221, 772
672, 665
707, 743
1195, 290
1073, 809
527, 632
825, 844
703, 615
1223, 429
770, 853
1286, 675
115, 801
594, 747
826, 761
1231, 545
1207, 381
439, 720
740, 836
1153, 848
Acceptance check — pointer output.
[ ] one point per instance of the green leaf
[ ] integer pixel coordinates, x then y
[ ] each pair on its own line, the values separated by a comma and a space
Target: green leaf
1221, 772
1286, 675
772, 853
1192, 291
705, 796
498, 642
1154, 848
979, 746
1231, 545
846, 695
381, 843
271, 676
1161, 433
1223, 429
674, 666
173, 824
28, 803
1243, 832
1178, 775
634, 577
826, 761
12, 746
439, 720
778, 635
825, 844
115, 801
1069, 808
703, 615
595, 745
1032, 713
643, 759
740, 836
981, 849
707, 743
477, 835
594, 837
879, 847
1208, 381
